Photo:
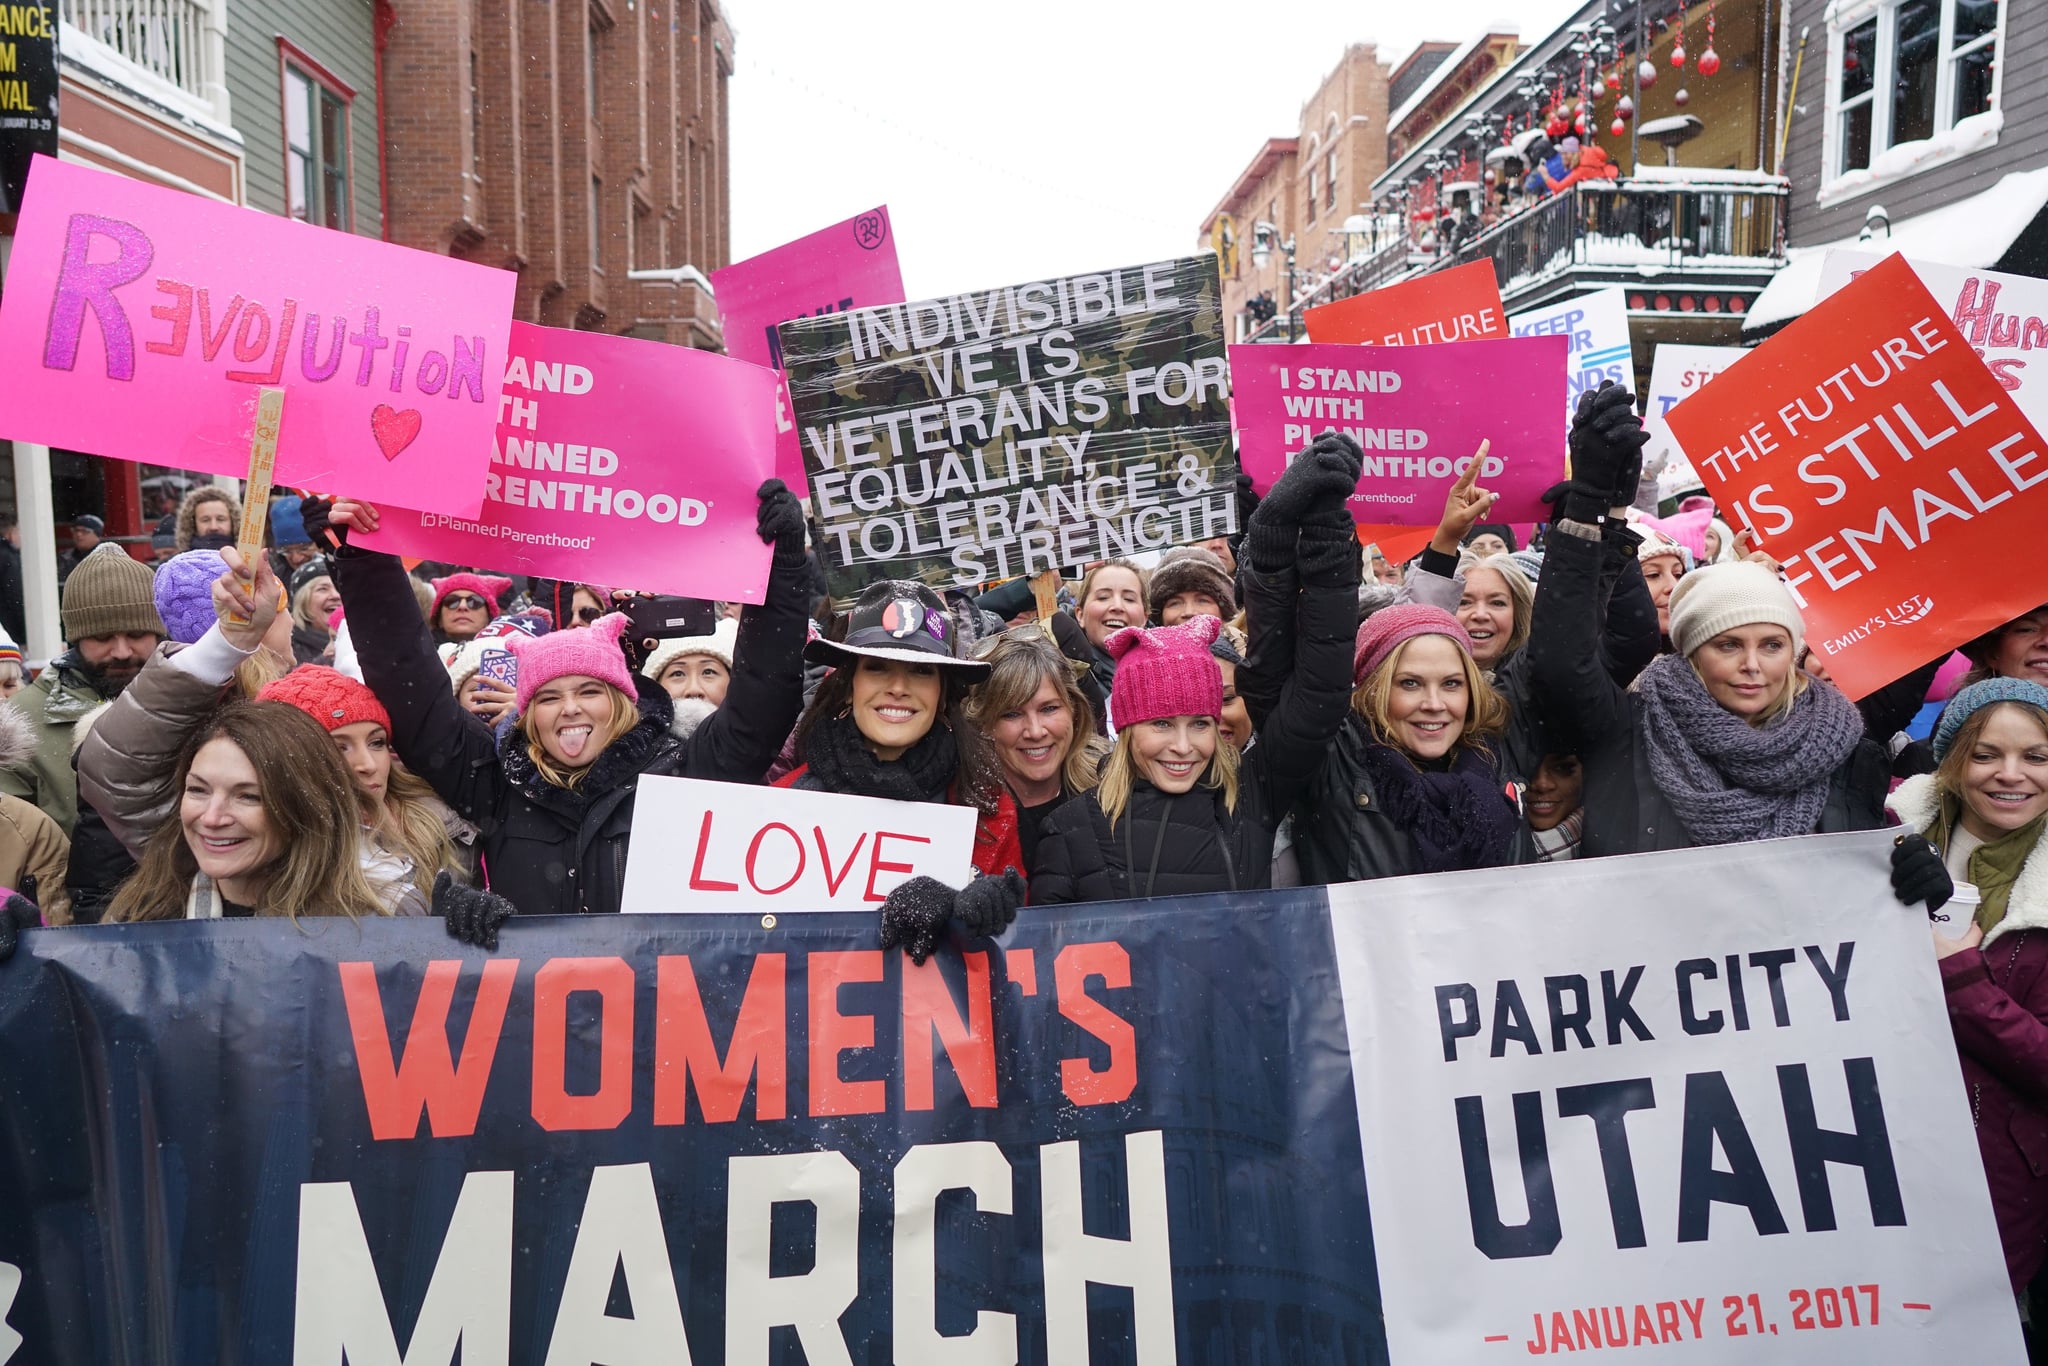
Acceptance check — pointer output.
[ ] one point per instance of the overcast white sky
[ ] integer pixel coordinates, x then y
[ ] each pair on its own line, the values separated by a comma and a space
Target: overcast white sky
1021, 140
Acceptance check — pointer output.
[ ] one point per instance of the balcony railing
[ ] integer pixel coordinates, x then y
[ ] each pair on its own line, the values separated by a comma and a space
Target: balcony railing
1647, 226
166, 38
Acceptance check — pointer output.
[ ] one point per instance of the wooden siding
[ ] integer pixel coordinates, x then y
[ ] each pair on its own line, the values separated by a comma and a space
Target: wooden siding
338, 35
2022, 144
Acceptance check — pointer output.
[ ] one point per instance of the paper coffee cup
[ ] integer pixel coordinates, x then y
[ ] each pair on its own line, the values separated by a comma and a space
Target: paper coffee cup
1952, 920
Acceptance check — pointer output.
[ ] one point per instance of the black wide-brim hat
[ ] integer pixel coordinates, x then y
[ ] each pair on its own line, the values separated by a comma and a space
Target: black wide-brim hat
901, 620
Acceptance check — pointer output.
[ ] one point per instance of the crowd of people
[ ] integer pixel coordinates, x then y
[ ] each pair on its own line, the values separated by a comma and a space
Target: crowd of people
322, 732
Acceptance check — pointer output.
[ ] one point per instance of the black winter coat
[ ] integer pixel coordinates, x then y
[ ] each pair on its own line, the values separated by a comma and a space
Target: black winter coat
1180, 845
1626, 812
552, 850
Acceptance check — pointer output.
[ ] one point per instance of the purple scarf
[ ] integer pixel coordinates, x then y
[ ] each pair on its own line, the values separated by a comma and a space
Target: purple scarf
1456, 818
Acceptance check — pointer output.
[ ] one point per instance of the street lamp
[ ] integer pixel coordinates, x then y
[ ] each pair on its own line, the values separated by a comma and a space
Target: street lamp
1264, 238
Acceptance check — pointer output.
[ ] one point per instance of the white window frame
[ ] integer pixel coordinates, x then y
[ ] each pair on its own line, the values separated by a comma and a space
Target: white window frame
1838, 184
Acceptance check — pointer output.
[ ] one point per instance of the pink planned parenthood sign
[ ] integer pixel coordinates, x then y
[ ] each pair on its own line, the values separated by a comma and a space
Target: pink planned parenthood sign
1419, 411
848, 265
628, 463
140, 322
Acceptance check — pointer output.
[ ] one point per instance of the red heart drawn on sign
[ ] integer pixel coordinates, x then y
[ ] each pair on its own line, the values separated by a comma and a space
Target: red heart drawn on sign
394, 429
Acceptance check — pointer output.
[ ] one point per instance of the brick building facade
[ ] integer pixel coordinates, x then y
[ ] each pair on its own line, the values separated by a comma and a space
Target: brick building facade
582, 145
1305, 186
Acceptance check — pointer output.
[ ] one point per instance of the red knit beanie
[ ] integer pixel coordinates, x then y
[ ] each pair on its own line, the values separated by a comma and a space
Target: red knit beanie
489, 587
1386, 630
333, 699
1165, 671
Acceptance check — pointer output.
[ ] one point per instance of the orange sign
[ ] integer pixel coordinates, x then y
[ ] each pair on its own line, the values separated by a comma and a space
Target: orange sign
1461, 304
1880, 461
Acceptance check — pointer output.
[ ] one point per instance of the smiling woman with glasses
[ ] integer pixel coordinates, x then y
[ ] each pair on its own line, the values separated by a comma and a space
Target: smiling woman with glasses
464, 604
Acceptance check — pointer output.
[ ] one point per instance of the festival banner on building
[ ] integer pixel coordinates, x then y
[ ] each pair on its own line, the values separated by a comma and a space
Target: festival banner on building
848, 265
1742, 1136
616, 461
1127, 1132
1880, 461
2003, 317
1677, 372
1015, 430
1459, 304
1419, 412
139, 323
28, 95
1596, 325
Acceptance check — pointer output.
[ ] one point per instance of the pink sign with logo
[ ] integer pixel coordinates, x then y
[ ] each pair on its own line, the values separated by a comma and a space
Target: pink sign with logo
628, 463
1420, 412
139, 323
848, 265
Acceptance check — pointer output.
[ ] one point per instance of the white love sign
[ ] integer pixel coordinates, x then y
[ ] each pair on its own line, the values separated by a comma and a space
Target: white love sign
702, 846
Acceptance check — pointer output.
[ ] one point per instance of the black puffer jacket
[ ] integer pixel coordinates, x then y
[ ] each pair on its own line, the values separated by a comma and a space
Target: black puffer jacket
1179, 845
1626, 812
547, 849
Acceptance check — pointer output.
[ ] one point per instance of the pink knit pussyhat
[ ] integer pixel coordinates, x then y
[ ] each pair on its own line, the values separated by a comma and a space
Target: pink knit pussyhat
1165, 671
594, 653
1388, 629
489, 587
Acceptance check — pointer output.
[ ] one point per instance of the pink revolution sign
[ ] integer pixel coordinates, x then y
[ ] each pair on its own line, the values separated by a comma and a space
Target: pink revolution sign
1419, 412
139, 322
848, 265
627, 463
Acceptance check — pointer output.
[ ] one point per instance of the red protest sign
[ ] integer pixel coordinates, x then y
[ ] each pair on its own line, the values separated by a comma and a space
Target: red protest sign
1462, 304
1875, 456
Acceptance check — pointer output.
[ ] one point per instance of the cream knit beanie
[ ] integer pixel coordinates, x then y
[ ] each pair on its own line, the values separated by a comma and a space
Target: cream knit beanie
1721, 597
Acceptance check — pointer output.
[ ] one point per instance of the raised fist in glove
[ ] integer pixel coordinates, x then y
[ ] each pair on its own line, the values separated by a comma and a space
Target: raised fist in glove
914, 916
17, 913
1607, 443
1918, 874
780, 521
987, 905
1327, 472
473, 915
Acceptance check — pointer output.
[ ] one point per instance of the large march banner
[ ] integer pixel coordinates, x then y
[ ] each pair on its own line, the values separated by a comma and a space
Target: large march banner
1469, 1118
1015, 430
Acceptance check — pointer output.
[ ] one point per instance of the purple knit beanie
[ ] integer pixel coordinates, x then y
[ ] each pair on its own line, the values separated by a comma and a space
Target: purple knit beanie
1385, 631
184, 592
1165, 671
594, 653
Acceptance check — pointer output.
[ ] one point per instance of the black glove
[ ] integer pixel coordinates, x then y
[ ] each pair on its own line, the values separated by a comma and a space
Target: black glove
1072, 640
1607, 443
987, 905
915, 915
780, 521
1327, 472
18, 913
1247, 501
1579, 500
473, 915
319, 530
1918, 874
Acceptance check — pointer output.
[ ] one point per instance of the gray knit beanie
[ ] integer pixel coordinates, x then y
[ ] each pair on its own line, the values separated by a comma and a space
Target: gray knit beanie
109, 593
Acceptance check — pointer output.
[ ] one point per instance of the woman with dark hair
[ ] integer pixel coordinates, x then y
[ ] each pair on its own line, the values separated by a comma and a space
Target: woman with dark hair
553, 792
1039, 723
890, 721
464, 604
266, 825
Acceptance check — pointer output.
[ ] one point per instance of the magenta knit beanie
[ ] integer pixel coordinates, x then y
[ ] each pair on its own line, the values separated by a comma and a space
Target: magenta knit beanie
1384, 632
1165, 671
489, 587
594, 653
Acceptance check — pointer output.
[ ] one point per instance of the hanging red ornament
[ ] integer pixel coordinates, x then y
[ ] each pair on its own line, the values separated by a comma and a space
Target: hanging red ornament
1646, 73
1618, 128
1709, 62
1579, 125
1624, 108
1599, 87
1677, 55
1681, 97
1678, 38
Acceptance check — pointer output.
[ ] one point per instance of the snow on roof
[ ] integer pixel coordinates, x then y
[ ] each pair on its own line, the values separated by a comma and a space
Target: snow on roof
1971, 233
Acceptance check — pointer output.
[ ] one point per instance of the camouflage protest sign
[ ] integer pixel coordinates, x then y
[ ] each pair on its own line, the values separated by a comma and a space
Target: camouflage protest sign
1014, 430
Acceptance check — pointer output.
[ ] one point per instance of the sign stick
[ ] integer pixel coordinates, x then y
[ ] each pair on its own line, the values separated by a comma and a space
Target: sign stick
262, 461
1045, 591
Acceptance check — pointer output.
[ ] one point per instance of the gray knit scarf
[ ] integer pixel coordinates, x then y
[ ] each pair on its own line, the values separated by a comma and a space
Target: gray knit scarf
1729, 780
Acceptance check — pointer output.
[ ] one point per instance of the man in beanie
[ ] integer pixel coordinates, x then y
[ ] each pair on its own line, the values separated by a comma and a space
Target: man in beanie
111, 624
1190, 582
85, 538
291, 546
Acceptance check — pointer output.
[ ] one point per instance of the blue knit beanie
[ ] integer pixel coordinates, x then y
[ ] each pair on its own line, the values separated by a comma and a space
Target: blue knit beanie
184, 592
1974, 699
287, 523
